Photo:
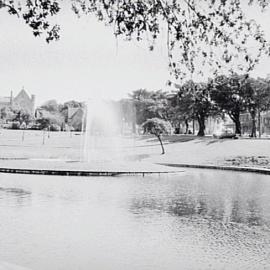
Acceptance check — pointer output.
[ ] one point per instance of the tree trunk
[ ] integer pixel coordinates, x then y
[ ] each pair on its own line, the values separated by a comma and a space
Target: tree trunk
236, 119
187, 126
201, 126
237, 126
161, 144
253, 129
259, 123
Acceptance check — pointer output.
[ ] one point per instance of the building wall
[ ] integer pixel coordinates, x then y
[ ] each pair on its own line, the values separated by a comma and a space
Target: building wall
246, 123
76, 119
24, 102
5, 102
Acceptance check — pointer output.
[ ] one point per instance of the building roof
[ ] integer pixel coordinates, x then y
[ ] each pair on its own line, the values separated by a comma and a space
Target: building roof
22, 93
73, 111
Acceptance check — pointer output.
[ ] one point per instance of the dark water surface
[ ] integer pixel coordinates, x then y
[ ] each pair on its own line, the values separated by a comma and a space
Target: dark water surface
198, 219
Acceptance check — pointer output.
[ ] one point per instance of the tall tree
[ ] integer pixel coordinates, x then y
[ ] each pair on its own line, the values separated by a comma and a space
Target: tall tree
181, 110
142, 102
228, 93
160, 104
257, 98
194, 98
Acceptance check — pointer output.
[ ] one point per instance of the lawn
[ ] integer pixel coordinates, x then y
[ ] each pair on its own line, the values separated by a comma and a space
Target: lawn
38, 145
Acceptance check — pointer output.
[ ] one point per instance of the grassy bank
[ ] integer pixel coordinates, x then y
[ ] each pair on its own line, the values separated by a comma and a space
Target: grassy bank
23, 145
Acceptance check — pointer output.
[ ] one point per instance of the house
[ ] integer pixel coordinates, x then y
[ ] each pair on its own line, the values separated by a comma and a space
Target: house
75, 118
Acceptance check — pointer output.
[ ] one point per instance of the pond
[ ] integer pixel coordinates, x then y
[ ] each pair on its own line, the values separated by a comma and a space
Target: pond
198, 219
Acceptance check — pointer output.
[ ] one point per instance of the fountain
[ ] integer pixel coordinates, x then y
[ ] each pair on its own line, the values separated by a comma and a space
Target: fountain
102, 140
101, 149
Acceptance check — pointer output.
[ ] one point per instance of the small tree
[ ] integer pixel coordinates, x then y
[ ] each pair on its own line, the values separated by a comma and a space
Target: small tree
157, 127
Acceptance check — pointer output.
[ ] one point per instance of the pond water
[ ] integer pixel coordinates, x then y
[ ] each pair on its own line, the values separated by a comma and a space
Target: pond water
197, 219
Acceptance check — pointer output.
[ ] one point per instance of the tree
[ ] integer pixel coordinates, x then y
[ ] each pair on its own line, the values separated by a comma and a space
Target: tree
257, 99
151, 104
6, 113
50, 121
43, 123
50, 106
160, 105
22, 116
142, 102
228, 93
194, 98
190, 26
157, 127
181, 108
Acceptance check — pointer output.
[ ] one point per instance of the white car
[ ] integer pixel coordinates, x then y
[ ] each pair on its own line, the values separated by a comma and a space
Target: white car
225, 134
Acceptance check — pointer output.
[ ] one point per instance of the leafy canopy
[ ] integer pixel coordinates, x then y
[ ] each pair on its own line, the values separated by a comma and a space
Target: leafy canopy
157, 126
212, 32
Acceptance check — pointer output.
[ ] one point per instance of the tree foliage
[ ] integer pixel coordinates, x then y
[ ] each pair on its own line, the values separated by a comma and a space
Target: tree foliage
157, 127
194, 102
50, 106
36, 14
193, 28
142, 102
22, 116
257, 99
229, 94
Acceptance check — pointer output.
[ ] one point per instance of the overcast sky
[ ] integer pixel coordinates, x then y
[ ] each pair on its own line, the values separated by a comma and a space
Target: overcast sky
87, 61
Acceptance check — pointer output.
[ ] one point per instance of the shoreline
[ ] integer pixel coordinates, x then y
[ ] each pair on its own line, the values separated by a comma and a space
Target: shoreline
62, 154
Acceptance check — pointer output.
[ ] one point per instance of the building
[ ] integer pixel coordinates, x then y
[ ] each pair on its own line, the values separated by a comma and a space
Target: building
5, 101
75, 118
22, 102
246, 123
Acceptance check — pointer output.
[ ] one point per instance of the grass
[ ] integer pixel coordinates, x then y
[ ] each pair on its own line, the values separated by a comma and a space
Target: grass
18, 145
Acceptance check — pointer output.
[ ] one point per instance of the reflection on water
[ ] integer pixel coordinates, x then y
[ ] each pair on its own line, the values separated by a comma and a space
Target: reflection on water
193, 220
15, 196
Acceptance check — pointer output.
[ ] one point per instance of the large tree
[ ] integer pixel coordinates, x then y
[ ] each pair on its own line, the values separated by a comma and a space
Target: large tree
143, 102
257, 99
194, 98
181, 109
193, 28
229, 94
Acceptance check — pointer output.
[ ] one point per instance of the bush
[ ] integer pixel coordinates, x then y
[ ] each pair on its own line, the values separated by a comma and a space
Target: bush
55, 127
15, 125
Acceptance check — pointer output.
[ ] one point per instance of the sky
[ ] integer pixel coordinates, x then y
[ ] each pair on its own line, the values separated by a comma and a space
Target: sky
87, 62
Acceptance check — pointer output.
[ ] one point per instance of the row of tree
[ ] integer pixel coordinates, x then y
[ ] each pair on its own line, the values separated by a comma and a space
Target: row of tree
224, 95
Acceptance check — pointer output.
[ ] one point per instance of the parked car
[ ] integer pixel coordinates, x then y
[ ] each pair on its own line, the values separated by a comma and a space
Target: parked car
225, 134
